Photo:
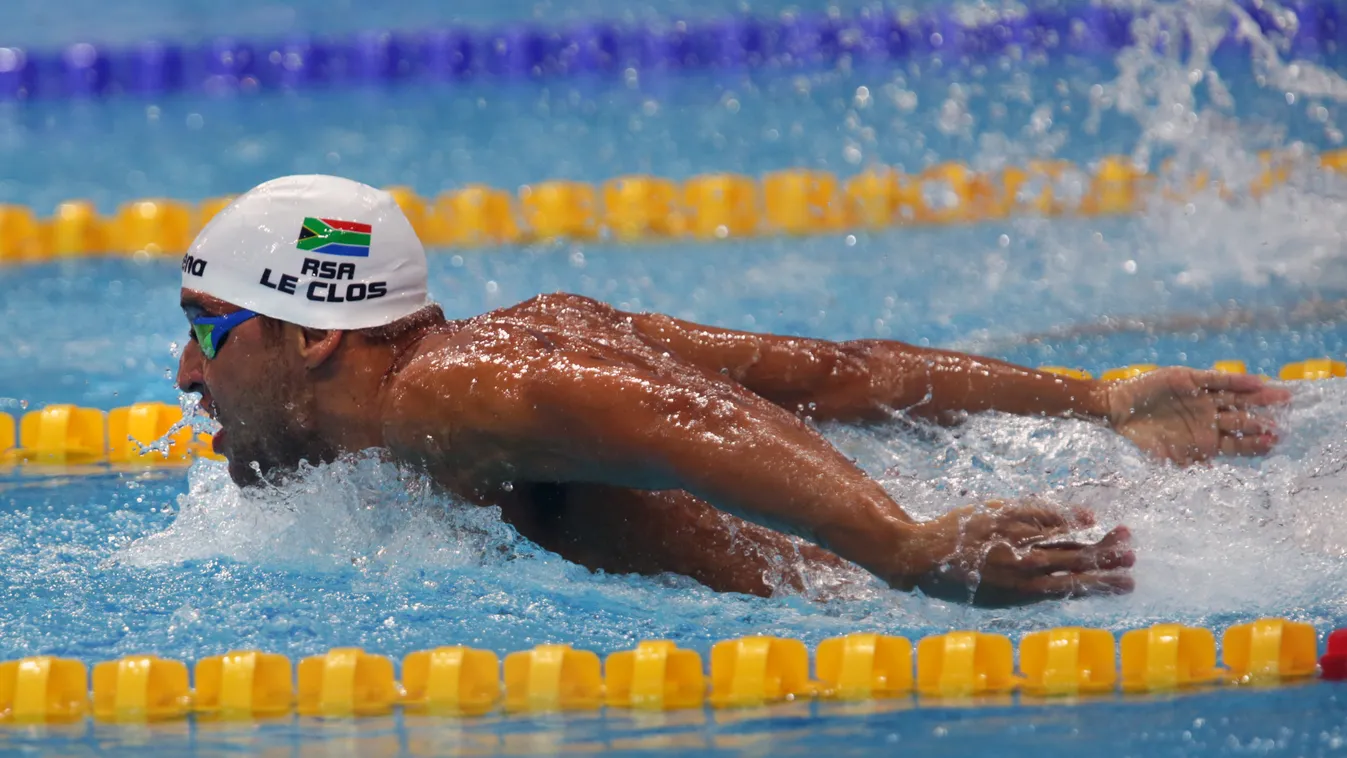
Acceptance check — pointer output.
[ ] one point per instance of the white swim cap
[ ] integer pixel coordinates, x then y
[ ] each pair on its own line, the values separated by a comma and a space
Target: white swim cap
318, 251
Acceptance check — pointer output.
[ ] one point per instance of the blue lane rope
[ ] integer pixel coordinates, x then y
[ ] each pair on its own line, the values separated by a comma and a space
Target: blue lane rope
523, 51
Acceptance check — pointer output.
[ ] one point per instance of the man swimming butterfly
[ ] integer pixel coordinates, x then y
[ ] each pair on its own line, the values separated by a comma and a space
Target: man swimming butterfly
638, 442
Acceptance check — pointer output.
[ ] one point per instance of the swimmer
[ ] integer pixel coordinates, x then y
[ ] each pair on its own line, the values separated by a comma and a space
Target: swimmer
633, 442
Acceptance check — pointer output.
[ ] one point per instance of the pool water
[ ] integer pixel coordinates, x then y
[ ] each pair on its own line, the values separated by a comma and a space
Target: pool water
181, 563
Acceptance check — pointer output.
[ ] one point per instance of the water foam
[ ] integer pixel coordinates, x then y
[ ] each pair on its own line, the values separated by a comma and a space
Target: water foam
1187, 116
358, 511
1241, 537
1238, 534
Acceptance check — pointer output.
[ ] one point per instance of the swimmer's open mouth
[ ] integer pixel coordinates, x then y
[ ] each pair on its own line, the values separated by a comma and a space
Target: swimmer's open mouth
207, 406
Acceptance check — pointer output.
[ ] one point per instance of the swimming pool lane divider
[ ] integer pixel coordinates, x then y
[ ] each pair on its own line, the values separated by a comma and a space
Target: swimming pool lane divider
529, 50
950, 668
73, 439
705, 208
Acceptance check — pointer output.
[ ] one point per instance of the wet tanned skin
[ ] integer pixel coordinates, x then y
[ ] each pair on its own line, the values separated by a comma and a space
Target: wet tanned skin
640, 443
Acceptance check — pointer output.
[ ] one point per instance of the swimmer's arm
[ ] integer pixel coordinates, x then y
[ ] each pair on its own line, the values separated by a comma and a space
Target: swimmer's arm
574, 418
863, 380
494, 417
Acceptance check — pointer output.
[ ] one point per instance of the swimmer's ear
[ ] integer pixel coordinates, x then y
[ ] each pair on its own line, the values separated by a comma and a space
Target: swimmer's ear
317, 345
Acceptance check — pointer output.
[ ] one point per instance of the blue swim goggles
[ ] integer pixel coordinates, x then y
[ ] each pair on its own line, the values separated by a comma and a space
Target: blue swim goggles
210, 331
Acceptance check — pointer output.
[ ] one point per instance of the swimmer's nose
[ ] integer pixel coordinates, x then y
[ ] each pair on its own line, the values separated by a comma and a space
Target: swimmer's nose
189, 369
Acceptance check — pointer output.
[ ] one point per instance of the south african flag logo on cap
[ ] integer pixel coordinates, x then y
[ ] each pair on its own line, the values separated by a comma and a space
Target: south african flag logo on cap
333, 237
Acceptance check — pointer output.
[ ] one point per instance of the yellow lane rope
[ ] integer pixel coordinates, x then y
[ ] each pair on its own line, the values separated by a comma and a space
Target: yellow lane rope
645, 208
657, 675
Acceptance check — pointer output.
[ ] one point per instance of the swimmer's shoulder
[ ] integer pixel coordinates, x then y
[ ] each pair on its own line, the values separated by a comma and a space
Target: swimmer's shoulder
435, 398
460, 400
563, 311
557, 304
456, 369
483, 354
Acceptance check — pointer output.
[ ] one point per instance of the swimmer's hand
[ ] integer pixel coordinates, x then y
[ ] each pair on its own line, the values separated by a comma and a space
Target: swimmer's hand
999, 554
1187, 416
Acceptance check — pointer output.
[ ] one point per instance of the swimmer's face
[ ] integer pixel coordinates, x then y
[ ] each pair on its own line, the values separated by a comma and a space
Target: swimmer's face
251, 388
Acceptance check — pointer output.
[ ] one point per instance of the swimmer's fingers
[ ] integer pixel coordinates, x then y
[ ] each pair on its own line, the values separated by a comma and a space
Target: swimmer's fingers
1232, 401
1245, 433
1001, 554
1046, 573
1245, 423
1114, 551
1222, 381
1033, 521
1058, 586
1241, 390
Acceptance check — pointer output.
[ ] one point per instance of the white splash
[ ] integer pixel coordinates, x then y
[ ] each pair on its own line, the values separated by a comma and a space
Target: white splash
1249, 536
356, 511
1292, 232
